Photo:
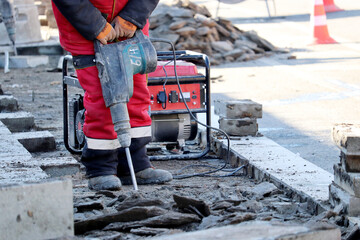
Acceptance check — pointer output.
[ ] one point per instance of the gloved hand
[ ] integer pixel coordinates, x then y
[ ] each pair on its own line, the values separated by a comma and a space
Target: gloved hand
123, 28
108, 34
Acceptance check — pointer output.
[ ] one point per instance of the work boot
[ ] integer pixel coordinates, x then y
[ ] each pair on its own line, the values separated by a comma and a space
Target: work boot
149, 176
108, 182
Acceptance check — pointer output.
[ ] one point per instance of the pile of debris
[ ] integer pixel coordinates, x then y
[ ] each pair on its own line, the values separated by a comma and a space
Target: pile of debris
185, 206
190, 27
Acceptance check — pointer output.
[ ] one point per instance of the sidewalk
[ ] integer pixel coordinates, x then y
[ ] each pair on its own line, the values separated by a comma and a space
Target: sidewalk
302, 98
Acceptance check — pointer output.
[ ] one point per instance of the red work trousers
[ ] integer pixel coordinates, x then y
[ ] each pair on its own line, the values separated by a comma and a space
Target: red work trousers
98, 123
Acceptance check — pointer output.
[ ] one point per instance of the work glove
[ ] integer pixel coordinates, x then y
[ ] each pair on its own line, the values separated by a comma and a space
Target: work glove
123, 28
108, 34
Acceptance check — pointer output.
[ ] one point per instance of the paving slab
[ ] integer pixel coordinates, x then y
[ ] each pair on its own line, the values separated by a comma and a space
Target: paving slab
258, 231
36, 141
233, 109
56, 166
267, 160
350, 182
350, 203
18, 121
11, 149
37, 211
351, 163
347, 138
22, 61
13, 157
19, 175
239, 127
8, 103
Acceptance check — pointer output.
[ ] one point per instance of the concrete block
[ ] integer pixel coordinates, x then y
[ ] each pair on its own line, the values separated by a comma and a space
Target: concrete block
37, 211
347, 138
238, 109
15, 173
26, 23
350, 182
8, 103
351, 163
11, 149
56, 166
18, 121
21, 61
239, 127
258, 231
338, 196
39, 141
268, 161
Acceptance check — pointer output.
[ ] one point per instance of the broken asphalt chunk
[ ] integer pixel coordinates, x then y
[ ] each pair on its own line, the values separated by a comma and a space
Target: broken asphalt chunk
186, 203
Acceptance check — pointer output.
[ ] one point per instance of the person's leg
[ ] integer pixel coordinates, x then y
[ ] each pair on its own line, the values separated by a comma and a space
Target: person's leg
140, 122
100, 154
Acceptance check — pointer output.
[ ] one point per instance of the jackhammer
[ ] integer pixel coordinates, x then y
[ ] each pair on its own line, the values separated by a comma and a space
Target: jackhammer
117, 63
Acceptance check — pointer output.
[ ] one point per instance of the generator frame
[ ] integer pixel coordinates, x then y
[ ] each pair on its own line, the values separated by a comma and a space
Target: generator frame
196, 58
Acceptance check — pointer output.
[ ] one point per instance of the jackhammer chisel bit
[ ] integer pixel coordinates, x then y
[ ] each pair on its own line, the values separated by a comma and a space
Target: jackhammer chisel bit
117, 63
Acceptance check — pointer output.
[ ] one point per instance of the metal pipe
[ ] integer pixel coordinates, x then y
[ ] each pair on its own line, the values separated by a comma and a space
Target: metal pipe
131, 168
6, 65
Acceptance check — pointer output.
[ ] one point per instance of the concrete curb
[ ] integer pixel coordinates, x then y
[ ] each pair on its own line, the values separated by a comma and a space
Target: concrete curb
17, 165
268, 161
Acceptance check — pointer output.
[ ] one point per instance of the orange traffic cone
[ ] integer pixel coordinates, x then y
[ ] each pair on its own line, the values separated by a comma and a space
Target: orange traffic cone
321, 33
330, 6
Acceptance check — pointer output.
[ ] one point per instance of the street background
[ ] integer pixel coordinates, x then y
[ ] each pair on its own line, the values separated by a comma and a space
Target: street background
304, 97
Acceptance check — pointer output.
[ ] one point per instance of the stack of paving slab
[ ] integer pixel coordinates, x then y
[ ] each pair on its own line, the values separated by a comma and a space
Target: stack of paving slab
18, 140
345, 190
28, 31
33, 205
238, 117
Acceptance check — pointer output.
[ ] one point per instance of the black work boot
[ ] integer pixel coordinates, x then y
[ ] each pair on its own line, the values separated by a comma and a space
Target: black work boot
145, 173
101, 168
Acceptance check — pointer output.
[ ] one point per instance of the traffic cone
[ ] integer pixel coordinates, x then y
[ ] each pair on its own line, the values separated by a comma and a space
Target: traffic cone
330, 6
318, 18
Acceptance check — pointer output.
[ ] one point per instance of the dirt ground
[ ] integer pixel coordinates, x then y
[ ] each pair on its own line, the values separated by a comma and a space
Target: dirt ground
229, 200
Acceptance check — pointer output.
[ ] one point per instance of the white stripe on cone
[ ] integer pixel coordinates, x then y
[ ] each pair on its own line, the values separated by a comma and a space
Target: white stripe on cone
320, 20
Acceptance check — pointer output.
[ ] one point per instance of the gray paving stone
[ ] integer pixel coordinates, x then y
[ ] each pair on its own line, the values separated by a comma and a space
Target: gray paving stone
37, 141
57, 166
351, 163
11, 149
268, 161
258, 231
18, 121
239, 127
8, 103
350, 182
347, 138
37, 211
234, 109
15, 173
25, 61
4, 131
338, 196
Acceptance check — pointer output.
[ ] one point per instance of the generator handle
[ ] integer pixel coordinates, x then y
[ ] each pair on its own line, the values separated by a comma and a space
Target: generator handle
72, 150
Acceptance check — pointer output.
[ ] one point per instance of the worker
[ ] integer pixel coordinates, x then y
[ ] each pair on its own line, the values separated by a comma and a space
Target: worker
80, 23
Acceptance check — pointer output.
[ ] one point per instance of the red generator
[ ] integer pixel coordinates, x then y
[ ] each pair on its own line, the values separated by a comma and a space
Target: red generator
172, 124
